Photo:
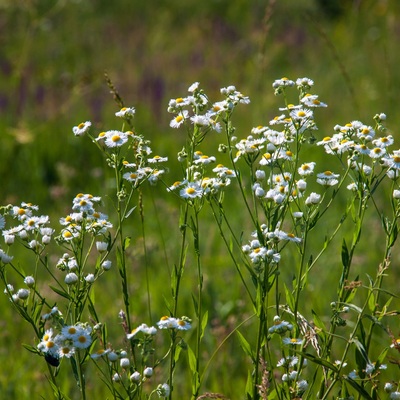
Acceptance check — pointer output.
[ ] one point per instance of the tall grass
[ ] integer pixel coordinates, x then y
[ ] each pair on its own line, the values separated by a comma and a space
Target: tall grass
36, 114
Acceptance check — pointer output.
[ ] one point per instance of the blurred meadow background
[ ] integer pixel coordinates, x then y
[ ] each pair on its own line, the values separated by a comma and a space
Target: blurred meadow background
53, 57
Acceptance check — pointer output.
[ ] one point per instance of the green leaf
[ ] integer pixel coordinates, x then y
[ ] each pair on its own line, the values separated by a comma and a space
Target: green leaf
127, 242
364, 394
345, 255
178, 351
393, 236
75, 370
320, 325
246, 346
31, 348
361, 357
317, 360
204, 324
249, 386
192, 359
130, 212
60, 292
371, 302
289, 297
195, 305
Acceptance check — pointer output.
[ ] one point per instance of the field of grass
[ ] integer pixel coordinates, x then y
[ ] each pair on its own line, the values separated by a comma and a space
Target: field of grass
53, 60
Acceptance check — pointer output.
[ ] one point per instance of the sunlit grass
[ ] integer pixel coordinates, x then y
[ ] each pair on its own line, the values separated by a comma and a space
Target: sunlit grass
52, 78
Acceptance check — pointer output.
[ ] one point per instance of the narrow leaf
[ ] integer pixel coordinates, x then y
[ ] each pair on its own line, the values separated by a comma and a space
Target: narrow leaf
246, 346
60, 292
203, 324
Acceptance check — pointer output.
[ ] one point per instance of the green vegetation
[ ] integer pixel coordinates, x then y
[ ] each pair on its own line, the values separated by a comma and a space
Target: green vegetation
53, 59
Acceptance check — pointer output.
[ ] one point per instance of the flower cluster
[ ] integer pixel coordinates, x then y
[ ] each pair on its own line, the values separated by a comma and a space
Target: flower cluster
200, 116
70, 339
33, 230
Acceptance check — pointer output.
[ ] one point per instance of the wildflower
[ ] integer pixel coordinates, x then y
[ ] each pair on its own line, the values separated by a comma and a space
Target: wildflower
163, 390
301, 386
99, 353
289, 361
292, 341
290, 377
9, 239
304, 83
258, 190
5, 258
313, 198
260, 175
116, 377
124, 362
327, 178
377, 152
340, 364
191, 191
101, 246
353, 374
148, 372
383, 141
9, 288
135, 377
89, 278
142, 328
112, 356
365, 133
388, 387
306, 169
29, 281
115, 138
283, 82
157, 159
183, 323
82, 128
66, 349
179, 119
280, 326
2, 222
54, 311
126, 112
193, 87
23, 294
48, 345
106, 265
395, 395
155, 176
71, 278
204, 159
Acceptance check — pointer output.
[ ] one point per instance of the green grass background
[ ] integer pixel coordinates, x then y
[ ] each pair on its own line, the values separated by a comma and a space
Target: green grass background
53, 55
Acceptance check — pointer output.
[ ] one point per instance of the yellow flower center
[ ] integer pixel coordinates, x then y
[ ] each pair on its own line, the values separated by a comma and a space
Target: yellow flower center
82, 339
116, 138
71, 330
